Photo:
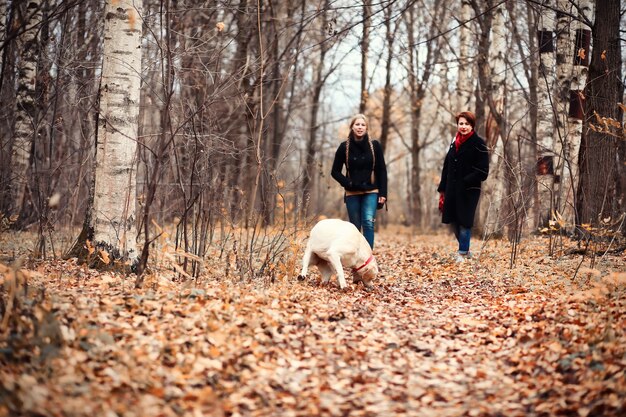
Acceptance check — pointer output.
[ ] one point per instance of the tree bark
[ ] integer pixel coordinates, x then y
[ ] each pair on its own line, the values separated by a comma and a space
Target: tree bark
572, 58
492, 77
464, 88
419, 78
603, 181
26, 115
365, 42
113, 211
388, 89
319, 79
545, 122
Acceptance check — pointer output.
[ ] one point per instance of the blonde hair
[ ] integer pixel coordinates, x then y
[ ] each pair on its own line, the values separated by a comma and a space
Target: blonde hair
356, 117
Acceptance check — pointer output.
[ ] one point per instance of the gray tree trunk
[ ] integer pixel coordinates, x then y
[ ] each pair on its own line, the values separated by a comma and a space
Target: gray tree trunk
490, 215
365, 42
465, 85
388, 89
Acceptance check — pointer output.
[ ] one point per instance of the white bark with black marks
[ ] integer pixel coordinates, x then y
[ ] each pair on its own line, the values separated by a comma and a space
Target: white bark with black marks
113, 212
25, 104
545, 114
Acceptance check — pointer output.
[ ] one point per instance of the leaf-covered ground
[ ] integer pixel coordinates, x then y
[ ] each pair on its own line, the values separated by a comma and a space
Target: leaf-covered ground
434, 338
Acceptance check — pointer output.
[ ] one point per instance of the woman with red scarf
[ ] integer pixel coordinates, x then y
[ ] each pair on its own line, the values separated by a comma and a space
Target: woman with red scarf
465, 167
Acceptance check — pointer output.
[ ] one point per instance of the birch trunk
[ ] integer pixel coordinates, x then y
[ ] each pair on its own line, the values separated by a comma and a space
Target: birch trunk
545, 116
25, 106
3, 30
493, 196
573, 44
113, 211
5, 120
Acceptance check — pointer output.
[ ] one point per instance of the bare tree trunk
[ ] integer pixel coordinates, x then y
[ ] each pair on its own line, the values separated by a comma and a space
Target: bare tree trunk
236, 168
388, 89
4, 17
465, 86
545, 121
6, 96
603, 180
415, 188
365, 42
417, 91
523, 186
26, 117
573, 52
319, 79
491, 216
113, 212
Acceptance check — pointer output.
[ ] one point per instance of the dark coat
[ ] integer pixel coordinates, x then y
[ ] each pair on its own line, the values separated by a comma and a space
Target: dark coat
359, 173
462, 173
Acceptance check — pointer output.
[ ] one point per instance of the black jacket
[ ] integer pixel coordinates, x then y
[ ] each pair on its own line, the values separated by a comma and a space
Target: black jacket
461, 177
359, 172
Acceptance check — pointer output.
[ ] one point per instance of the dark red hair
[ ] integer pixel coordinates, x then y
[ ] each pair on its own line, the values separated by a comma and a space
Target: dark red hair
467, 115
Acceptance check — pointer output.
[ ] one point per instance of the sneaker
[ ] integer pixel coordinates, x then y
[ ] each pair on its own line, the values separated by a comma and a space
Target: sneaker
462, 257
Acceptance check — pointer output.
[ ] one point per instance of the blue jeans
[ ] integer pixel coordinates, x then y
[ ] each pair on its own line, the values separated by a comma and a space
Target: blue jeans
463, 235
362, 213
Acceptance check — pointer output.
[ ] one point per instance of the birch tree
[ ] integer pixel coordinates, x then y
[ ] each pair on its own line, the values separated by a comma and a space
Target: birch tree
25, 103
572, 59
112, 217
465, 86
545, 114
493, 88
3, 29
6, 112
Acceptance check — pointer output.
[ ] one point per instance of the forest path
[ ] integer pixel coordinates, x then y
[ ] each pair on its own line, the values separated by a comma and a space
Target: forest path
433, 338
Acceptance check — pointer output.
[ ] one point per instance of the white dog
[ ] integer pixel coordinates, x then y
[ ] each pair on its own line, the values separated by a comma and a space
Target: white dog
335, 244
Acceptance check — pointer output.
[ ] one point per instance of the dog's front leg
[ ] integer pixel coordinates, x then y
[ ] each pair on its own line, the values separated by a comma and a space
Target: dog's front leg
335, 261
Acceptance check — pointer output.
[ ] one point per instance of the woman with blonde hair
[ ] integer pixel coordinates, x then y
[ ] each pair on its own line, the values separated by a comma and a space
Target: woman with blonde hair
365, 178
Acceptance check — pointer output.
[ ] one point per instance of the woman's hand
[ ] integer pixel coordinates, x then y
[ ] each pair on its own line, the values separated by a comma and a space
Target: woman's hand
381, 200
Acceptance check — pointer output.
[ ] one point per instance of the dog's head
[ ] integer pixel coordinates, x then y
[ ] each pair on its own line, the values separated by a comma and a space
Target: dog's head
369, 271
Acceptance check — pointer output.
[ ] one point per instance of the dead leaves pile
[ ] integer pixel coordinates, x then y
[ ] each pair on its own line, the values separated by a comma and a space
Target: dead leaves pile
433, 338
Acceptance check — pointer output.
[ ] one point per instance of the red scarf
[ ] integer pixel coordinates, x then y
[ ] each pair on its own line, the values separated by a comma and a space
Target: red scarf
460, 139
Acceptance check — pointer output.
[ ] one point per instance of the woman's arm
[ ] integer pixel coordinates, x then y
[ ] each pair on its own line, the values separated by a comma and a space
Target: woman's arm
480, 165
338, 163
380, 170
444, 176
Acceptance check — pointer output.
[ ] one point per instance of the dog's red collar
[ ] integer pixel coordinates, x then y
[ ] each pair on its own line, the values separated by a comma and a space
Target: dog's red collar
366, 262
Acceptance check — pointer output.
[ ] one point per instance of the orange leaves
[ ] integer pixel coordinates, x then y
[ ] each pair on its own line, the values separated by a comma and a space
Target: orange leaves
608, 125
432, 338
